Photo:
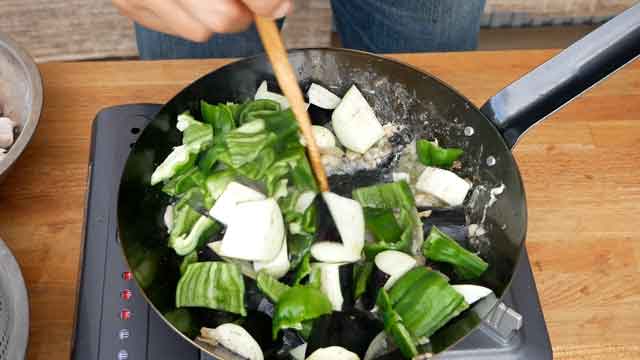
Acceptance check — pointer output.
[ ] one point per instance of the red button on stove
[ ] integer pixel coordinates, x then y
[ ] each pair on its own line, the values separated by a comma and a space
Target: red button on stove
126, 294
127, 275
125, 314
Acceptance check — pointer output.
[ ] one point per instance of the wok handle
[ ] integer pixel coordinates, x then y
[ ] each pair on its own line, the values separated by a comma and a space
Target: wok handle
547, 88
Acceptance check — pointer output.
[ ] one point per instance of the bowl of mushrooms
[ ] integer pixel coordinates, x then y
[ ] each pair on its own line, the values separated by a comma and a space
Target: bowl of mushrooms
20, 102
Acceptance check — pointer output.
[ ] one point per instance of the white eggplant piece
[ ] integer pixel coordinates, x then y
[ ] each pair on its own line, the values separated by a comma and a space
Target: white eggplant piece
400, 176
472, 293
298, 352
330, 283
324, 138
246, 268
278, 266
354, 122
379, 346
322, 97
234, 338
304, 201
234, 194
395, 264
255, 232
6, 132
333, 353
168, 218
349, 219
333, 252
443, 185
264, 93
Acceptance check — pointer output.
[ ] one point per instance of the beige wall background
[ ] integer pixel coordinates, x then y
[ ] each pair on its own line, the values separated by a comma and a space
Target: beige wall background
93, 29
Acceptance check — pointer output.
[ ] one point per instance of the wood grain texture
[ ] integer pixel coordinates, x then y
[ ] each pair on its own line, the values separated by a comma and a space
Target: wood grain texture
581, 172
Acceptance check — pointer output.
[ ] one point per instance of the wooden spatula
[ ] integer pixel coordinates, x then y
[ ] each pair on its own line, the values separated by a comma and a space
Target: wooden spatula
277, 54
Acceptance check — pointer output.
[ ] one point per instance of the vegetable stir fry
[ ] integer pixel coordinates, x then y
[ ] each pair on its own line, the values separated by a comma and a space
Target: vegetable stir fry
343, 276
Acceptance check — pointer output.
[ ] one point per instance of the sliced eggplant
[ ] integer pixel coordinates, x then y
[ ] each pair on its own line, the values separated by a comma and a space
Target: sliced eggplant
234, 338
379, 346
353, 330
168, 218
443, 184
333, 252
256, 231
336, 281
298, 352
472, 293
395, 264
333, 353
277, 267
322, 97
354, 122
377, 280
233, 194
349, 219
450, 220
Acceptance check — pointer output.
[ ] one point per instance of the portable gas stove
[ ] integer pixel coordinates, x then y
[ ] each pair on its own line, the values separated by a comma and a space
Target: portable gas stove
113, 320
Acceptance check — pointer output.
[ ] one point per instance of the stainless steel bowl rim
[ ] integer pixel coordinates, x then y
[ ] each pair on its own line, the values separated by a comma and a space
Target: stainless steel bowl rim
35, 87
18, 334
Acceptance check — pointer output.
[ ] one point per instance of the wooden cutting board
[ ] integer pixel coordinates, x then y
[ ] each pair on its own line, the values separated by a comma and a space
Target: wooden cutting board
580, 167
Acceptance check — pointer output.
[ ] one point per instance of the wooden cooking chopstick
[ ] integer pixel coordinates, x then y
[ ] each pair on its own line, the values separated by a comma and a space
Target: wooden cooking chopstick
277, 54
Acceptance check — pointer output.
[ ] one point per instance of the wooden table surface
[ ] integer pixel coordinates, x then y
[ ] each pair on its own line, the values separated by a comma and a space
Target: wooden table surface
581, 170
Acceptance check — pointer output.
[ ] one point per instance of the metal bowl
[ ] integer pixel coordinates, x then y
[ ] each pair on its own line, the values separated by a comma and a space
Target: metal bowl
14, 308
20, 97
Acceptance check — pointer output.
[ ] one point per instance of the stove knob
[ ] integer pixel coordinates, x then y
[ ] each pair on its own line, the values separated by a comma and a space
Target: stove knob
123, 355
123, 334
127, 275
125, 314
126, 294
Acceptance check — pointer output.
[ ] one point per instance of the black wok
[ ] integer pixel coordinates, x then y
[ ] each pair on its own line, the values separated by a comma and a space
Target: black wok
429, 108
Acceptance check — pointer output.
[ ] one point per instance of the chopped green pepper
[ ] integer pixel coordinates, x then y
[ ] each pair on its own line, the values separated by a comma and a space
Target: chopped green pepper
362, 274
214, 285
431, 154
183, 182
441, 247
271, 287
218, 181
394, 326
425, 301
382, 224
298, 304
219, 116
303, 270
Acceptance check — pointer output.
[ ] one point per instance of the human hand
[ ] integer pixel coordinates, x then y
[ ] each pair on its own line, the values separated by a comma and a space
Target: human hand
198, 20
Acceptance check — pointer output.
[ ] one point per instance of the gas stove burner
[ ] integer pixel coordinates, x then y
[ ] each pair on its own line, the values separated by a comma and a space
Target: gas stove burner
113, 320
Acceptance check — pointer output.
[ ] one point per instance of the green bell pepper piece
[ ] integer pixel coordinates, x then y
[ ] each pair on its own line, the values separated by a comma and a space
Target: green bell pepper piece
382, 224
298, 304
219, 116
201, 231
271, 287
183, 182
362, 274
425, 301
441, 247
431, 154
394, 326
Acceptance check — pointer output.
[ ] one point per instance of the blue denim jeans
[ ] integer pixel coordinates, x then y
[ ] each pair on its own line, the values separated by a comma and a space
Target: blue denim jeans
380, 26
